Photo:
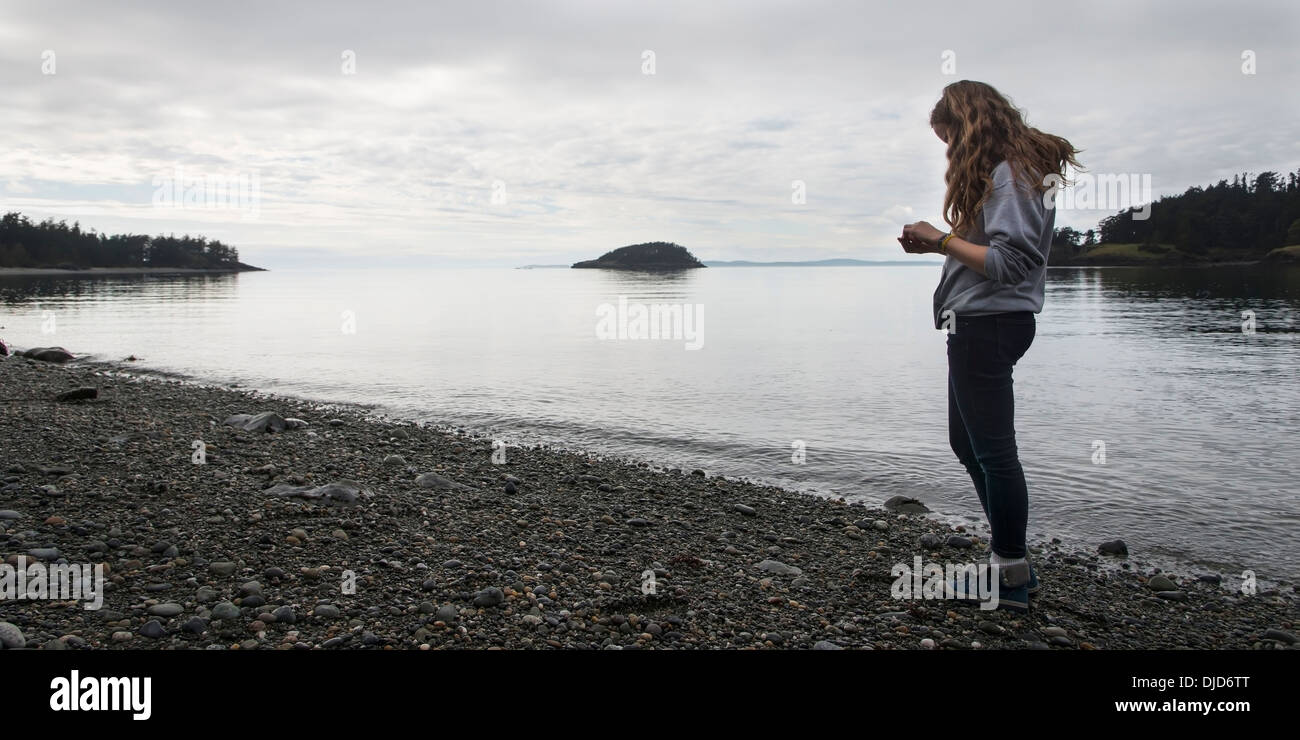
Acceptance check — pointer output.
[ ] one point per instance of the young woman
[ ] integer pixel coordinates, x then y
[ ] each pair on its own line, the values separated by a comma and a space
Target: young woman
999, 169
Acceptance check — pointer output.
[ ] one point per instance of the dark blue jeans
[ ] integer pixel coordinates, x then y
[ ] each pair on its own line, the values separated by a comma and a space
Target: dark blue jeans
981, 419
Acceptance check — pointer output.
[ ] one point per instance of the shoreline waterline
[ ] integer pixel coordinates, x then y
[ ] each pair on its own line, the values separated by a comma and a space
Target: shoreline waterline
548, 549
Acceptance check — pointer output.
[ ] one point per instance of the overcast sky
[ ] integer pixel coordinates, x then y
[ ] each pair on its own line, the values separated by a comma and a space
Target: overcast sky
548, 105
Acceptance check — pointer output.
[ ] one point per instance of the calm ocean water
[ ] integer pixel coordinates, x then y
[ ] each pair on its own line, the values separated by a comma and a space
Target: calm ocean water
1200, 421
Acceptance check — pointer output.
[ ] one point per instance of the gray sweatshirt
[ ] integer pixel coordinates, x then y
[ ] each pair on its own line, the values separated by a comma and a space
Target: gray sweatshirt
1017, 228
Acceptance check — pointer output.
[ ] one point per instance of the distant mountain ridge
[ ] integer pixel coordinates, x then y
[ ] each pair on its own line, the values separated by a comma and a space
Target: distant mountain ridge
836, 262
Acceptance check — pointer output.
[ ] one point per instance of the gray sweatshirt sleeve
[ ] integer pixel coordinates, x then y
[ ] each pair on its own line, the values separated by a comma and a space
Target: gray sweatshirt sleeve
1013, 220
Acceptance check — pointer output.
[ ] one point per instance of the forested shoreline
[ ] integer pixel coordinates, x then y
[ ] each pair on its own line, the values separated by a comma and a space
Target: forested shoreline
55, 244
1247, 220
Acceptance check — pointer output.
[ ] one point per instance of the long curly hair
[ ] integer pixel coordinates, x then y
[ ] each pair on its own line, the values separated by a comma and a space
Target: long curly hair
984, 128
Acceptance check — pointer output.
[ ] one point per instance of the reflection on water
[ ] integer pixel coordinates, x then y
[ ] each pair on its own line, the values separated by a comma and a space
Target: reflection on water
1198, 419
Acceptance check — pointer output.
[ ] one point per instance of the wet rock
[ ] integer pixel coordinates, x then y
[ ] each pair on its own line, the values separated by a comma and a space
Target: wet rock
1161, 583
1113, 547
267, 421
905, 505
78, 394
49, 354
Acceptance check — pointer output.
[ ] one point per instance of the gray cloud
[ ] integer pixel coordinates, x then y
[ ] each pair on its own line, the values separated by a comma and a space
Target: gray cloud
547, 103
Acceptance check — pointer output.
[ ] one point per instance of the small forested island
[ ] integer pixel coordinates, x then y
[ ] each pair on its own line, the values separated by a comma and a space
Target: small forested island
1250, 220
54, 245
650, 257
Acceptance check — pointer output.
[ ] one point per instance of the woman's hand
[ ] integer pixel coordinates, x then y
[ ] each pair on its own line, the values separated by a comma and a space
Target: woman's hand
920, 238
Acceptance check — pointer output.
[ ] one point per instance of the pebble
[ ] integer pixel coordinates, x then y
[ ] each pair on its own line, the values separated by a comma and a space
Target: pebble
284, 615
225, 610
447, 613
779, 568
1280, 636
11, 637
491, 596
328, 611
959, 542
1161, 583
746, 510
153, 628
166, 610
931, 541
826, 645
222, 569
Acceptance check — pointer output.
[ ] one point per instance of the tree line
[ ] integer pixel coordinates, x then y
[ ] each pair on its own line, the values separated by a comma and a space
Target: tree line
50, 243
1247, 218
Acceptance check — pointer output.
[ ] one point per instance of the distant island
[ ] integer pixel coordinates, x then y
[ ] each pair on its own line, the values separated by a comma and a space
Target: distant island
1250, 220
52, 247
649, 257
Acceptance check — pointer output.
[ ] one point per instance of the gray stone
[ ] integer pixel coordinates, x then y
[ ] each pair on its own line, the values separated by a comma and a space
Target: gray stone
447, 613
779, 568
225, 610
1280, 636
328, 611
1161, 583
746, 510
491, 596
11, 637
905, 505
335, 493
166, 610
267, 421
153, 628
439, 483
222, 569
1113, 547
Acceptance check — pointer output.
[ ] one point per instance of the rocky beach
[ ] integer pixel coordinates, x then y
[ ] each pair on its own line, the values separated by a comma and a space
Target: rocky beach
229, 519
